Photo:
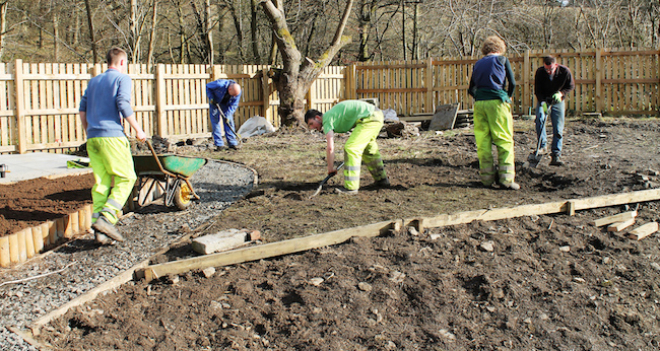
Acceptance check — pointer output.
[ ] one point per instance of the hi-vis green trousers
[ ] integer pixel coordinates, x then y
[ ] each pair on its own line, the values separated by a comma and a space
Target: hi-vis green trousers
110, 158
362, 145
493, 123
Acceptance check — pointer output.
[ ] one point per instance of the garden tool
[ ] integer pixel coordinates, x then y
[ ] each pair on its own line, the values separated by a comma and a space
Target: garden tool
326, 179
535, 158
224, 118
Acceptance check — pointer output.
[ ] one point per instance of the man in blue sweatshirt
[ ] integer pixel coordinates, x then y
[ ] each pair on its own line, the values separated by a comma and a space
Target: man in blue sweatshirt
106, 100
493, 121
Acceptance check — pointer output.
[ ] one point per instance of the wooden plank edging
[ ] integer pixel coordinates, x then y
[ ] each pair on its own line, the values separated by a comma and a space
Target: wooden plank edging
370, 230
21, 246
536, 209
267, 250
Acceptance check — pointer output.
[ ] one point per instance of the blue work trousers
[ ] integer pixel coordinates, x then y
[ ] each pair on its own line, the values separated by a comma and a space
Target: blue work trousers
557, 119
219, 124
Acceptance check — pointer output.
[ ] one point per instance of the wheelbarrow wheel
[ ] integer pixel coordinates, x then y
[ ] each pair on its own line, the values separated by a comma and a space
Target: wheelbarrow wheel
182, 196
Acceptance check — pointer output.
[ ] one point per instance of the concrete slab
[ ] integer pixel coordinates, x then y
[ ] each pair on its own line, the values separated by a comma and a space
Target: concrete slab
39, 164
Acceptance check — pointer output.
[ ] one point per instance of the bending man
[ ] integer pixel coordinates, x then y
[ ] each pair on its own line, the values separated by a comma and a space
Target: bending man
224, 96
366, 122
551, 84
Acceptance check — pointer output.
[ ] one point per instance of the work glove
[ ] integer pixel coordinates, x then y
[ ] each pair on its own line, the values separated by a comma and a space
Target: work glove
544, 108
556, 98
333, 173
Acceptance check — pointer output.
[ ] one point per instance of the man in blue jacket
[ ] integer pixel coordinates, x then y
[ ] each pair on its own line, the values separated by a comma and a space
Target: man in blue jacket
225, 95
106, 100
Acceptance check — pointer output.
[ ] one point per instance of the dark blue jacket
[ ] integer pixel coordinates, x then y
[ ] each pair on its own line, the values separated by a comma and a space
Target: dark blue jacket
489, 76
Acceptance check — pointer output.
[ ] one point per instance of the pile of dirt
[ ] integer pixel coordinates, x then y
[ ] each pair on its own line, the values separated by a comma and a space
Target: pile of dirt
31, 202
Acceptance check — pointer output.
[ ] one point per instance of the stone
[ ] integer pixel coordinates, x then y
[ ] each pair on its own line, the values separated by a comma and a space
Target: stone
208, 272
364, 286
487, 246
221, 241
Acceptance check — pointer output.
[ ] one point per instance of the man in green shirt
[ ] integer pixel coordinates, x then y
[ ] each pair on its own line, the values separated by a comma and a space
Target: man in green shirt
366, 121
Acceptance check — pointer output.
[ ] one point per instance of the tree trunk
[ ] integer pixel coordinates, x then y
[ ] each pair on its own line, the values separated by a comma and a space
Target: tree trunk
403, 28
297, 75
3, 25
134, 34
208, 31
56, 36
152, 36
237, 15
182, 34
253, 31
90, 23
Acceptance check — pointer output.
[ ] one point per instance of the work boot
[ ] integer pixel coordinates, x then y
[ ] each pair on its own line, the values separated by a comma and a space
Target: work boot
556, 161
220, 148
511, 186
235, 147
383, 183
345, 191
102, 238
105, 227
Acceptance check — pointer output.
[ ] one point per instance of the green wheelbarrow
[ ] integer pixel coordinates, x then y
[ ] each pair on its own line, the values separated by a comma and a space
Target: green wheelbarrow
166, 176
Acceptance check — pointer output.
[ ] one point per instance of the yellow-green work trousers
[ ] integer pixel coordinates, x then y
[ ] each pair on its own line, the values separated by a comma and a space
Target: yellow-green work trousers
110, 158
493, 123
362, 145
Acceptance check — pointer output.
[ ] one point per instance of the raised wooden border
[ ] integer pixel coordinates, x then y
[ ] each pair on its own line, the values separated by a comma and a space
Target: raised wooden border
21, 246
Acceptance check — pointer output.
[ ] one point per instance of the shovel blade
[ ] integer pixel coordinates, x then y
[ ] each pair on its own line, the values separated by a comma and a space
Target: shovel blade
534, 160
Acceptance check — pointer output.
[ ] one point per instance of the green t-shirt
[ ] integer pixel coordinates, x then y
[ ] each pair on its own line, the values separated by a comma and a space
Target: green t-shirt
343, 116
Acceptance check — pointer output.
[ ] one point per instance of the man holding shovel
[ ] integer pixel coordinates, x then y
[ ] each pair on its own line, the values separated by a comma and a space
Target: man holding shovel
224, 96
366, 122
551, 84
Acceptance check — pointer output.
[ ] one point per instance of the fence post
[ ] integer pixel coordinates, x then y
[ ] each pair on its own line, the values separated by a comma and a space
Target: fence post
350, 84
429, 86
19, 106
161, 113
526, 88
599, 74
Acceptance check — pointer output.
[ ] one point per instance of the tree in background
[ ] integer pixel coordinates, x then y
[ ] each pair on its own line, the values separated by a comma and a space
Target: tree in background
297, 74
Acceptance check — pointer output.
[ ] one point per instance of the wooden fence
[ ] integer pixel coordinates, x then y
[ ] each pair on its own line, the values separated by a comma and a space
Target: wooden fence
607, 81
39, 102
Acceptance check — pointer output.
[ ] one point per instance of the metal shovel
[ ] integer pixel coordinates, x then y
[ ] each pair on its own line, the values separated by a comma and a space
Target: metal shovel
535, 158
325, 180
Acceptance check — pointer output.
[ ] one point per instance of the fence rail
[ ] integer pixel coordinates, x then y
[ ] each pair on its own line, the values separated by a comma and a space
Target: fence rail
39, 102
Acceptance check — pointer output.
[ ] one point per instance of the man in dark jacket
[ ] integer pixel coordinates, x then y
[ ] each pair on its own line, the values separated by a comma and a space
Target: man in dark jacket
551, 84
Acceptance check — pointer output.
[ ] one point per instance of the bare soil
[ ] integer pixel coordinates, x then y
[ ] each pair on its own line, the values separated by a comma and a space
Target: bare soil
29, 203
537, 282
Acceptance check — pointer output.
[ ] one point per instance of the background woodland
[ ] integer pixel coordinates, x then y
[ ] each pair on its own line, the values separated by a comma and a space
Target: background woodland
239, 31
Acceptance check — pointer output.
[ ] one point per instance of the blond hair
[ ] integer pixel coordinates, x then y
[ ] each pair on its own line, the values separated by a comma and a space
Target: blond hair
492, 45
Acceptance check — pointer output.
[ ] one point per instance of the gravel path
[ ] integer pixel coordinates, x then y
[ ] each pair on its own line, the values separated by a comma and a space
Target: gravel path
150, 229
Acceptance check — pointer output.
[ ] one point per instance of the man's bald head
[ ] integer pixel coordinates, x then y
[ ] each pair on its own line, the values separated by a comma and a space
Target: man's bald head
234, 89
